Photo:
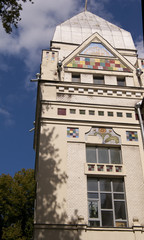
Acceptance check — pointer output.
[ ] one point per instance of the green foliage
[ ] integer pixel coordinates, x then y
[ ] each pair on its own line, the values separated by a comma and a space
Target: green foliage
10, 13
17, 196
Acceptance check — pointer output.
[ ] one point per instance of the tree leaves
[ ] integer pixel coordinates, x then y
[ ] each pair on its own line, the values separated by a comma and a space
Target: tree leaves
10, 13
17, 196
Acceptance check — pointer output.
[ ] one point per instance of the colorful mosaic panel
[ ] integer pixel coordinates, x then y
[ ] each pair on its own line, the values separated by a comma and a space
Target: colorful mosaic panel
100, 168
131, 136
107, 135
91, 167
118, 168
109, 168
73, 132
96, 49
142, 63
99, 64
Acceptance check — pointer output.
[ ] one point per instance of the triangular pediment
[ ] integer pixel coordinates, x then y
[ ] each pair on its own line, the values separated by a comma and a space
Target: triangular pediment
97, 54
97, 49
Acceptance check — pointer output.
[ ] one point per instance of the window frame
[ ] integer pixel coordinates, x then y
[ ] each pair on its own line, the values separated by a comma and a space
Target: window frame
96, 147
98, 199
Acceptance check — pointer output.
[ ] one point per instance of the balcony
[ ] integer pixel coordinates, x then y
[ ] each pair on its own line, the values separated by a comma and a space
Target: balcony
104, 169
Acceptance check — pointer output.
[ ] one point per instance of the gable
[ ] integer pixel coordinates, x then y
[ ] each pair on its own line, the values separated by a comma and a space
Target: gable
97, 49
97, 54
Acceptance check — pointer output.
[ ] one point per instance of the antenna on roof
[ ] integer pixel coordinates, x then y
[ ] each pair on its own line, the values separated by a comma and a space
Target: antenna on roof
85, 5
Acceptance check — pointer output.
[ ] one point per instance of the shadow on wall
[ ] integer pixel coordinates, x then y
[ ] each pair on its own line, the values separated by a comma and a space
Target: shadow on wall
50, 207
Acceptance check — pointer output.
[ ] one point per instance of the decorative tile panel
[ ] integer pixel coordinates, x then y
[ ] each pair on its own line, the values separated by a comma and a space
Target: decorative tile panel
131, 136
61, 111
107, 135
100, 168
118, 168
91, 167
109, 168
104, 169
98, 63
73, 132
96, 49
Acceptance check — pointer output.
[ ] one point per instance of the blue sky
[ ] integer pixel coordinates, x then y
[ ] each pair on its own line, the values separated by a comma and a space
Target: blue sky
20, 57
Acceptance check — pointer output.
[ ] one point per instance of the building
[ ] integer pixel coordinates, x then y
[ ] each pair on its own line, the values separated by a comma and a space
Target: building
89, 134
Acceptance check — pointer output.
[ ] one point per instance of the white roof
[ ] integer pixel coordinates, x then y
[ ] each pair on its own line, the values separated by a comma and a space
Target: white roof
78, 28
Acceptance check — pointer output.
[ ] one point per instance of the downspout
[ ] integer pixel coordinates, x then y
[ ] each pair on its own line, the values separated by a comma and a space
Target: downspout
138, 106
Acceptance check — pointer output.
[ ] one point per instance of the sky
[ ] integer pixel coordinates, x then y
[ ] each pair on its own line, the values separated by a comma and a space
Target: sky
20, 58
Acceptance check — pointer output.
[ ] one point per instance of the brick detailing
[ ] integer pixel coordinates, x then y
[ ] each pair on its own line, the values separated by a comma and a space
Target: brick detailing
77, 181
134, 186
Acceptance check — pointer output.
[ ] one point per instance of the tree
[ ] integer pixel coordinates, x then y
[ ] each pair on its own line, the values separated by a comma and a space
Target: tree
10, 13
17, 196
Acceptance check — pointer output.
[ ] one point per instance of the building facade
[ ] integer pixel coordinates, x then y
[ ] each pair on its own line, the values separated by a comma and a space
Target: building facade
89, 134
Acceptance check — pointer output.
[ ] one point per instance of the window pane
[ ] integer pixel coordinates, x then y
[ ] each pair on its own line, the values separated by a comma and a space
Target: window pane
107, 218
105, 184
92, 195
103, 155
106, 200
121, 81
75, 78
98, 80
115, 155
101, 113
82, 111
118, 196
120, 212
118, 185
93, 209
92, 184
91, 154
91, 112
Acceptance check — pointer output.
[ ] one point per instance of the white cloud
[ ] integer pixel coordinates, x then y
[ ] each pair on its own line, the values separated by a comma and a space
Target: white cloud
35, 31
4, 112
8, 121
140, 47
37, 27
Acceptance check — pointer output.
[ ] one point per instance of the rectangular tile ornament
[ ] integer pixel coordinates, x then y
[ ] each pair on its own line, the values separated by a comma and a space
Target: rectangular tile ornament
61, 111
73, 132
98, 63
131, 136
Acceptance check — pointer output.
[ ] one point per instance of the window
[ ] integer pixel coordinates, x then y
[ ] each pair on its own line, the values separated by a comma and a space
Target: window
91, 112
119, 114
101, 113
110, 114
129, 115
72, 111
106, 202
75, 77
121, 81
98, 79
106, 155
82, 112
